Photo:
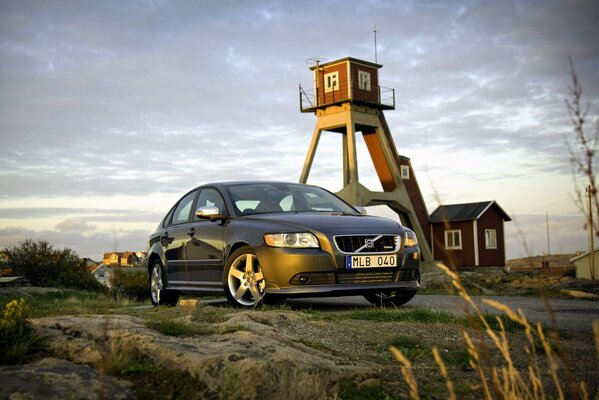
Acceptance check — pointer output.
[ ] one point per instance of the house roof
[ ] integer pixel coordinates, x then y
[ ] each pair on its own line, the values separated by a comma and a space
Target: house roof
583, 255
465, 212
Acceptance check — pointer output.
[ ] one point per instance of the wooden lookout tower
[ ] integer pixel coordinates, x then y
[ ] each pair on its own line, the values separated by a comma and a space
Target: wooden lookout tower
347, 98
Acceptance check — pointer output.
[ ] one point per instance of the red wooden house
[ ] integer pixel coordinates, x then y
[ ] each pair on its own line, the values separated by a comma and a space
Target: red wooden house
466, 236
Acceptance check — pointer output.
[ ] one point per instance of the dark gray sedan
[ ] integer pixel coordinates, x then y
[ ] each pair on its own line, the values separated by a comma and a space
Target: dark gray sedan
265, 241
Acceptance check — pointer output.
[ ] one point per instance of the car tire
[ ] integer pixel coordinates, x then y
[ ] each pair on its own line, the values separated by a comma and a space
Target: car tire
243, 281
390, 297
159, 295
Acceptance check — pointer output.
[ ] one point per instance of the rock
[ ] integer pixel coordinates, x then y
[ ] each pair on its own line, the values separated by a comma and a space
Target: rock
580, 295
248, 363
52, 378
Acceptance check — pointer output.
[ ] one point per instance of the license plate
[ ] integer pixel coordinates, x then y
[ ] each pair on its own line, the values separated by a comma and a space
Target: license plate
371, 261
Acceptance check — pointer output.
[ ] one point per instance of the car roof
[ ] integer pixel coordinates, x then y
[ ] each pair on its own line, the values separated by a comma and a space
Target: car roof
233, 183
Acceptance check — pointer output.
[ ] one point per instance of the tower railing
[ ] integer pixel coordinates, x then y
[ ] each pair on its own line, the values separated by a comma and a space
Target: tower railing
378, 96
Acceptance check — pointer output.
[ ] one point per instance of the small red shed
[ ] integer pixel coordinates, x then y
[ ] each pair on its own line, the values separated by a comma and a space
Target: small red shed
469, 235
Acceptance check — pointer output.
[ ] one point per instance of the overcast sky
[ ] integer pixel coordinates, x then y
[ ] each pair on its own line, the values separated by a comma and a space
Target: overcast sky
111, 110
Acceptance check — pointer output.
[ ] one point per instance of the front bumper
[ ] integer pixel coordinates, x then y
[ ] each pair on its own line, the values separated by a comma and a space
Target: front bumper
315, 272
341, 289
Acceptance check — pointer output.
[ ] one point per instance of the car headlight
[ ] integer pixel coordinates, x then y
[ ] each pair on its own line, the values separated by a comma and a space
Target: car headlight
410, 238
294, 240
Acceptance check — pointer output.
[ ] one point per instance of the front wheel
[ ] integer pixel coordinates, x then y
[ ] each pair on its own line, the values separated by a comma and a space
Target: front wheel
385, 298
158, 293
243, 280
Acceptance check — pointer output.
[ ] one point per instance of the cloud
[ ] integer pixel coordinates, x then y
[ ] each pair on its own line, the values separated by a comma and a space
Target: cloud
86, 245
70, 225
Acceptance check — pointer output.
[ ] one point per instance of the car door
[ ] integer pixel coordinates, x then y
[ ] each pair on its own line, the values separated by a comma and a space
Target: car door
205, 247
174, 238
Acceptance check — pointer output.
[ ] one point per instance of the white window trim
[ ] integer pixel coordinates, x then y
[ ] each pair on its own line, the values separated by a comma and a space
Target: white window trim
368, 85
489, 245
475, 235
334, 79
405, 172
447, 235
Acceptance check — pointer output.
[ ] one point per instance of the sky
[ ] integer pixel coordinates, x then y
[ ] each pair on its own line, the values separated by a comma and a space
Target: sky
111, 110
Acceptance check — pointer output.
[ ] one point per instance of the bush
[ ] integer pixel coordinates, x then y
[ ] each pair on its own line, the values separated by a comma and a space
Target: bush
17, 337
130, 283
42, 265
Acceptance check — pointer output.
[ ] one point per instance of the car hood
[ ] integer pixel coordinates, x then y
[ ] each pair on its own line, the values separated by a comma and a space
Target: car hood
329, 222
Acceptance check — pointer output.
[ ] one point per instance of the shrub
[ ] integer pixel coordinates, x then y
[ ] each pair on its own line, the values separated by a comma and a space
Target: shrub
42, 265
130, 283
17, 337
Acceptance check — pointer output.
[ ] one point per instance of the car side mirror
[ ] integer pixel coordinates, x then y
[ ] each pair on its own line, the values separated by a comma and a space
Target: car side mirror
209, 212
361, 210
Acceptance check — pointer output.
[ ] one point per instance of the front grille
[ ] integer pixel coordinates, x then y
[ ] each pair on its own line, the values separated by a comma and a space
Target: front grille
367, 243
365, 277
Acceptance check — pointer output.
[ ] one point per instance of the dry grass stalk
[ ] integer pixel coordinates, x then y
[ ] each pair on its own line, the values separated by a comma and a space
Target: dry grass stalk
475, 363
444, 373
505, 382
406, 371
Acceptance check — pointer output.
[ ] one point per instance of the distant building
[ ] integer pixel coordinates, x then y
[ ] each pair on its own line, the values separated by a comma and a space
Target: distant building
469, 235
4, 256
129, 259
90, 264
583, 265
111, 258
122, 259
102, 274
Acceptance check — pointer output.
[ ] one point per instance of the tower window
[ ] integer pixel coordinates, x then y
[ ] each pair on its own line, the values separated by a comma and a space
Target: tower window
364, 80
331, 81
405, 172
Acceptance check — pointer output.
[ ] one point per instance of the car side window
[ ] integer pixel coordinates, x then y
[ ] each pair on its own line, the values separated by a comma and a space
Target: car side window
183, 210
167, 219
210, 197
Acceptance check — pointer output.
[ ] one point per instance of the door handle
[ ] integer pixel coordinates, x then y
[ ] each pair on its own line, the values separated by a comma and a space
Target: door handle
164, 235
191, 232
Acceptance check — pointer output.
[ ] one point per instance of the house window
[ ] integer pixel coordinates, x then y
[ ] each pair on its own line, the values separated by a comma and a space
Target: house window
364, 80
490, 238
405, 172
453, 239
331, 81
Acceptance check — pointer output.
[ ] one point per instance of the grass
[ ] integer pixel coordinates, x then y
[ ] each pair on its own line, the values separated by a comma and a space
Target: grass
150, 380
350, 390
71, 302
483, 333
411, 347
17, 338
178, 328
420, 315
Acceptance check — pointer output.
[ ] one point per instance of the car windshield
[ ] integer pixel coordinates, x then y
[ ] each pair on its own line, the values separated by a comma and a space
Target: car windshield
266, 198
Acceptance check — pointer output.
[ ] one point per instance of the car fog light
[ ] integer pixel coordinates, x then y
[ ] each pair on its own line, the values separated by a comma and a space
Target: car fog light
303, 279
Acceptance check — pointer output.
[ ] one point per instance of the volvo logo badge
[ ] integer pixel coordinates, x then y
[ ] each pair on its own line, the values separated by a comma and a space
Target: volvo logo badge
369, 243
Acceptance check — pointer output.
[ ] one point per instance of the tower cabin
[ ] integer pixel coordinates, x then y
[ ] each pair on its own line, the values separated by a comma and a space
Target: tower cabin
346, 80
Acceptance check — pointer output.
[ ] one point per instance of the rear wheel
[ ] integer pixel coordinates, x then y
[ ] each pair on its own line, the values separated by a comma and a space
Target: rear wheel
243, 280
159, 295
396, 298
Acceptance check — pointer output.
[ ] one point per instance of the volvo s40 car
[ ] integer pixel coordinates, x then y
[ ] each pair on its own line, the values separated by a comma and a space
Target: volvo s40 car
256, 241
